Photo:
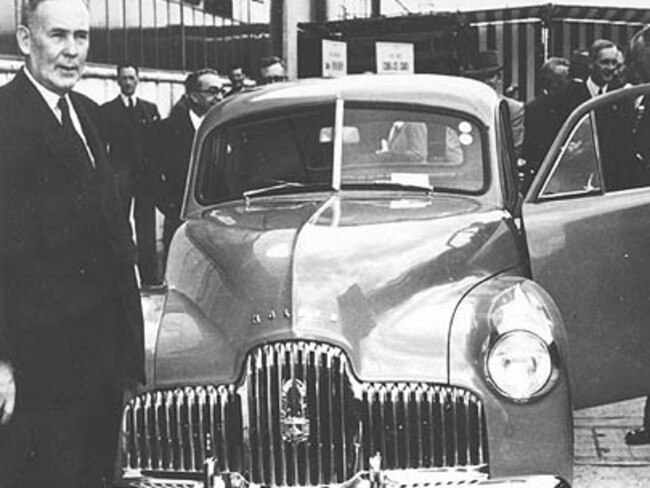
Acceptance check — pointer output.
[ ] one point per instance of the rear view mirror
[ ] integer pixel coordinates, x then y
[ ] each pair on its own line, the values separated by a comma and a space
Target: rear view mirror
350, 135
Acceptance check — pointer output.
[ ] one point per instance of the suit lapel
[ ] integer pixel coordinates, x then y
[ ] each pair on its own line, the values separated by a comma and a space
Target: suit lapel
41, 121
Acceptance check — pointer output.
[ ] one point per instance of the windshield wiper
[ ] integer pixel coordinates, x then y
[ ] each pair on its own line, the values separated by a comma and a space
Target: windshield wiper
391, 185
282, 186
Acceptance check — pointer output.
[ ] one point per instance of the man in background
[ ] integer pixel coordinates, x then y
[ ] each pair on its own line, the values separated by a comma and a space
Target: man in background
237, 80
71, 331
173, 144
605, 63
272, 70
486, 68
612, 120
542, 117
128, 120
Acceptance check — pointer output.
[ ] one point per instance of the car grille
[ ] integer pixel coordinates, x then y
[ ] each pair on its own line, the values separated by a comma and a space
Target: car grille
299, 416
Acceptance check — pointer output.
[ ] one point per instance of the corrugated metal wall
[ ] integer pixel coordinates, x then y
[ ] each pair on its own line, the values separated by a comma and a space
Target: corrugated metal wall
521, 48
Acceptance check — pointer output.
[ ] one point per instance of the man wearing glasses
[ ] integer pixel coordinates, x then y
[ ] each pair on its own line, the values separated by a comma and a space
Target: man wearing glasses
174, 136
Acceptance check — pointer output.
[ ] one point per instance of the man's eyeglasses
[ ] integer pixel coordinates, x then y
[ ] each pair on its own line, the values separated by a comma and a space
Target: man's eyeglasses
214, 90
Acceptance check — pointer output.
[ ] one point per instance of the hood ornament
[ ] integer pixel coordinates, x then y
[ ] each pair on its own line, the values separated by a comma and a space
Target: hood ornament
294, 421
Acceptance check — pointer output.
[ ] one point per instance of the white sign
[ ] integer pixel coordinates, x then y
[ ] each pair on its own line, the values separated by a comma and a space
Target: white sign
335, 58
395, 57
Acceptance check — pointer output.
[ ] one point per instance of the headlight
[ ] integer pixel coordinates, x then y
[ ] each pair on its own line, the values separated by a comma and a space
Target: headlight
521, 355
519, 364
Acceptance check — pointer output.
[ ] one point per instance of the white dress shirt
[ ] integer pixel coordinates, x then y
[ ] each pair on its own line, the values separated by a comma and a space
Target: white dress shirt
52, 101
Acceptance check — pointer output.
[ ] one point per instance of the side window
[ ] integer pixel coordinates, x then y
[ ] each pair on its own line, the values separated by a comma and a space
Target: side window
576, 171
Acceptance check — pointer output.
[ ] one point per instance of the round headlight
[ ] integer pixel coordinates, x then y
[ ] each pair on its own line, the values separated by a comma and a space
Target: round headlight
519, 364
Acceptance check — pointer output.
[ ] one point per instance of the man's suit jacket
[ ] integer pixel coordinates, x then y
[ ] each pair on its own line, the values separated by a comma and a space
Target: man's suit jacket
128, 136
516, 109
543, 121
174, 136
65, 249
574, 94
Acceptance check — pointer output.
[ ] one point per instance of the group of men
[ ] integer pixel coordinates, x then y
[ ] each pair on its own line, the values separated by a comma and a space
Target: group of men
150, 156
561, 92
71, 325
71, 330
563, 86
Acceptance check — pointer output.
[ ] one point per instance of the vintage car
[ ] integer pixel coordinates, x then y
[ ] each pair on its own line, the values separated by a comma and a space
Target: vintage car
361, 297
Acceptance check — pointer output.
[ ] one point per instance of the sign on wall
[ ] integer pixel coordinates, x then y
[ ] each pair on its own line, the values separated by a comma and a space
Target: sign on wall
335, 58
395, 57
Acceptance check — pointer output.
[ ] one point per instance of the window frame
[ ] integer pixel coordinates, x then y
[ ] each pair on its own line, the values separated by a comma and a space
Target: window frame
591, 115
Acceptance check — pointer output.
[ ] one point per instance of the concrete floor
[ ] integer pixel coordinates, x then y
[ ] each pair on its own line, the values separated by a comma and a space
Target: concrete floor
602, 459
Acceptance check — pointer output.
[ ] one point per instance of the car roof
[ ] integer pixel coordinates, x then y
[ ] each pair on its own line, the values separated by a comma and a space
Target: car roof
448, 92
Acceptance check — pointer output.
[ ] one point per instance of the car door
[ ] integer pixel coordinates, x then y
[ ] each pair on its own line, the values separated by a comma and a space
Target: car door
586, 220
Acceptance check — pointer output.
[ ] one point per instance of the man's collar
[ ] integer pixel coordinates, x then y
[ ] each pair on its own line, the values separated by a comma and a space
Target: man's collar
593, 87
125, 100
195, 119
51, 98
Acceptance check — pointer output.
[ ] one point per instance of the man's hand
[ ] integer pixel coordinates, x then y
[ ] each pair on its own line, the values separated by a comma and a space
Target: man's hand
7, 392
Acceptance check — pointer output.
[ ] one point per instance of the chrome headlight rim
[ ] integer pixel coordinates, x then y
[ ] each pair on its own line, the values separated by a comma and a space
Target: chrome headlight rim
551, 380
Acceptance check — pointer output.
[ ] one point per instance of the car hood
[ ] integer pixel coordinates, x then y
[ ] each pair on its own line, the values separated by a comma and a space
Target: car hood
379, 278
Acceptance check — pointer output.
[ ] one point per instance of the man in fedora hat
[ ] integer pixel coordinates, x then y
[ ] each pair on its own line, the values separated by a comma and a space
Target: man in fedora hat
486, 68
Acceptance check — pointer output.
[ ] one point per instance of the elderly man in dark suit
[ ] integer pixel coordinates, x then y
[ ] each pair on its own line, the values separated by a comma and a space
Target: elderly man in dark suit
128, 121
174, 136
70, 317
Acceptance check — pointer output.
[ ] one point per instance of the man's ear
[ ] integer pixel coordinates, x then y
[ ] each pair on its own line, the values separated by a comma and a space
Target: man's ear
24, 39
191, 97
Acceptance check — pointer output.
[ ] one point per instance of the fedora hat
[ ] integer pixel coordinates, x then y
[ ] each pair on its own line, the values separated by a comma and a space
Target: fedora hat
485, 63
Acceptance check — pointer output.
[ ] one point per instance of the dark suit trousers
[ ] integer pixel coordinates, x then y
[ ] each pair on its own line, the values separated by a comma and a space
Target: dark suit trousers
69, 390
69, 447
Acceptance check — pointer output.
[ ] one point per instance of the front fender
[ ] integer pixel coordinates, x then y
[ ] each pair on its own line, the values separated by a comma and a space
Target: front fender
530, 437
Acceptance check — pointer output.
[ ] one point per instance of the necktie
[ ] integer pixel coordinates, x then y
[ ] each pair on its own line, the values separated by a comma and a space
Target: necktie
80, 150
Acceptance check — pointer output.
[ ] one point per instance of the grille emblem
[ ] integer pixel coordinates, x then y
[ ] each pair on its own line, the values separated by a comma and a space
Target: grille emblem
294, 423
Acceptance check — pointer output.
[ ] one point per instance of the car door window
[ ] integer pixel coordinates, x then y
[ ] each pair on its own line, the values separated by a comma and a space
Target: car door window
607, 151
576, 171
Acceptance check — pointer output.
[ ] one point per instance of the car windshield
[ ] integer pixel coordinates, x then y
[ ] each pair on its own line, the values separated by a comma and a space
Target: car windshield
383, 147
411, 147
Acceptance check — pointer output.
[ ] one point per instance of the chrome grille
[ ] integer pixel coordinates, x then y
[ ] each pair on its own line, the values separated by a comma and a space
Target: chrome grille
246, 427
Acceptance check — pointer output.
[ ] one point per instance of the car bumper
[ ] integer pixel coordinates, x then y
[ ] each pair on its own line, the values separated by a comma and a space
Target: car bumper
369, 479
